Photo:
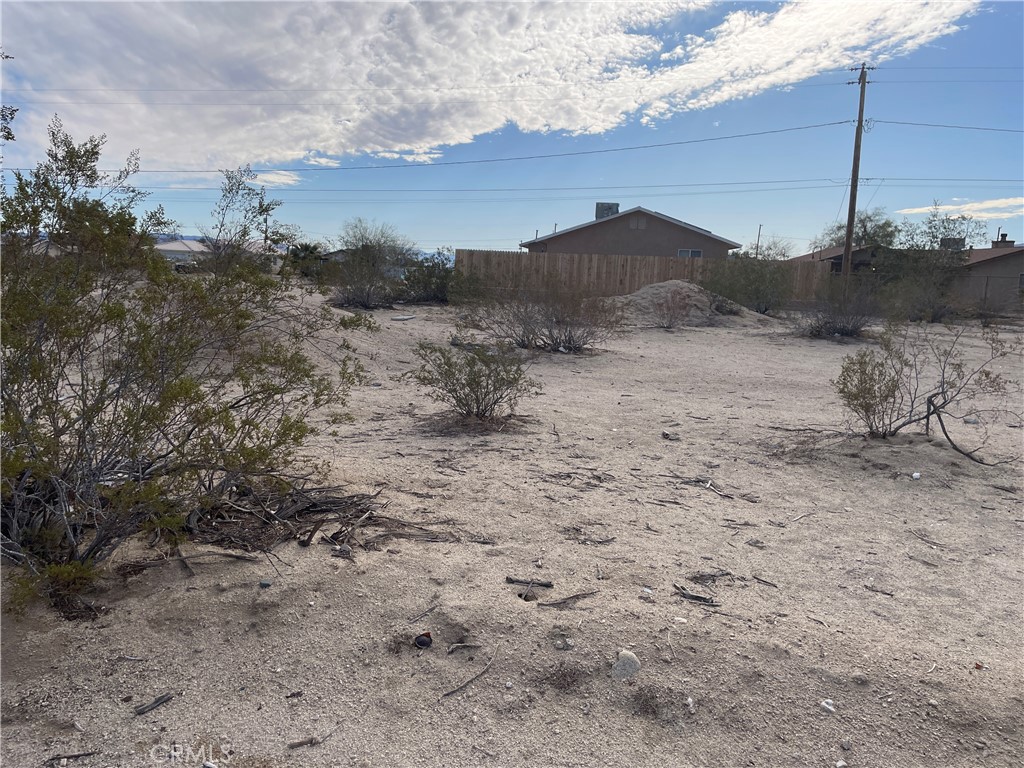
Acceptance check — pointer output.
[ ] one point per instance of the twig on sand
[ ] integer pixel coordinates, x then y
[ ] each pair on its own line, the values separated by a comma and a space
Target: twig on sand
419, 616
879, 590
58, 758
688, 595
310, 741
801, 517
529, 582
157, 702
453, 691
765, 581
568, 602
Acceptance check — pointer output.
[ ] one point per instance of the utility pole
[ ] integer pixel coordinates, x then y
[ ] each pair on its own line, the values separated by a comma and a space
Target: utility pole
757, 245
852, 216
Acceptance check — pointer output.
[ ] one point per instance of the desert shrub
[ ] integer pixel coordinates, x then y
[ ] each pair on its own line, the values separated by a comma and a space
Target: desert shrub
430, 278
131, 394
554, 317
915, 375
514, 317
845, 307
372, 264
760, 284
474, 380
670, 308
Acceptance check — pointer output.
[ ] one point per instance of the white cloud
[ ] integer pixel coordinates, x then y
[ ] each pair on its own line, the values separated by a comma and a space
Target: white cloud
999, 208
222, 84
278, 178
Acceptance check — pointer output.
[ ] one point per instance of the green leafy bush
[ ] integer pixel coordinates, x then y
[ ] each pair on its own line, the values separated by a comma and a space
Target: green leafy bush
131, 393
474, 380
430, 278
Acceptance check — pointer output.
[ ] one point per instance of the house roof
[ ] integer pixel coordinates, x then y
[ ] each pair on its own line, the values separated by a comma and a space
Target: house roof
978, 255
182, 246
830, 254
638, 209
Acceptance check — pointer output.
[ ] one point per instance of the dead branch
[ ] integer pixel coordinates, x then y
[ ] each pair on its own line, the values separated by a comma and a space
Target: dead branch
529, 582
76, 755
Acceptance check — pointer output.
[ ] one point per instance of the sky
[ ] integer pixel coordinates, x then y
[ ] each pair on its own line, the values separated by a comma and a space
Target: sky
481, 124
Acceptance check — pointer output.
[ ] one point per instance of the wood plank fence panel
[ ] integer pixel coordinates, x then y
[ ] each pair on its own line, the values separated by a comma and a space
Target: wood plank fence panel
603, 275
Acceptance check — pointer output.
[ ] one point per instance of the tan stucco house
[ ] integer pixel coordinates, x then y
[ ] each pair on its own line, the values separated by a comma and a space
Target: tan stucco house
994, 277
636, 232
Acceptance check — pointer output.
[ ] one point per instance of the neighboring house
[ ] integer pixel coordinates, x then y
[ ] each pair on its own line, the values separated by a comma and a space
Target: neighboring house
994, 277
182, 251
860, 258
636, 232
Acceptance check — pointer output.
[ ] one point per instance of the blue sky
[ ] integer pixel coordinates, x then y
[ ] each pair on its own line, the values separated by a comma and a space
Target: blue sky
383, 110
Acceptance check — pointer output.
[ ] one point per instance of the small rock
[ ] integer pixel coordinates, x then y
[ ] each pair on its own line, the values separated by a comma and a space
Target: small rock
915, 476
265, 584
846, 745
669, 435
756, 543
972, 420
841, 764
859, 678
342, 550
980, 744
403, 318
691, 706
508, 683
626, 666
933, 703
828, 706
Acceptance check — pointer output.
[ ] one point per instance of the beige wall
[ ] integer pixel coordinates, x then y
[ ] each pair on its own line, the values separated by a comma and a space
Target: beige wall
653, 236
996, 281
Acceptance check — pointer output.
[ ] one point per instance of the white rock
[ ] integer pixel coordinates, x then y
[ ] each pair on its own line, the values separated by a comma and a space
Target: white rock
828, 706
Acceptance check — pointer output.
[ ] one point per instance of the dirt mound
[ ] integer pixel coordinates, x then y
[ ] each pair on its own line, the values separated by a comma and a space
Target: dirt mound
688, 304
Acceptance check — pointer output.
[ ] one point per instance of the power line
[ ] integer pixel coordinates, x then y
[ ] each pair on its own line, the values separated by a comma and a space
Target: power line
578, 153
957, 127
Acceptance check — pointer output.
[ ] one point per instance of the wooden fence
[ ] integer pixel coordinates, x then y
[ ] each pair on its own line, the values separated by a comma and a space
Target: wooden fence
604, 275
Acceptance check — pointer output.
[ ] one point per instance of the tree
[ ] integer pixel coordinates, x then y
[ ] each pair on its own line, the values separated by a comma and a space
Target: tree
242, 230
870, 228
375, 256
7, 113
939, 226
131, 393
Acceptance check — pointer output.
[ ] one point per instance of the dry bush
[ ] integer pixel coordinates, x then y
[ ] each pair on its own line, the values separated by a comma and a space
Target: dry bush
474, 380
915, 375
555, 317
845, 308
671, 308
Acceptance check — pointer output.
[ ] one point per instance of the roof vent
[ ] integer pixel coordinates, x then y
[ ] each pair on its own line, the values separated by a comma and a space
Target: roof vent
604, 210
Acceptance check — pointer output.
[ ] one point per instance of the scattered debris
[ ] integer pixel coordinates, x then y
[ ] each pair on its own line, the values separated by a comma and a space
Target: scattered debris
801, 517
265, 584
828, 706
765, 582
673, 436
756, 543
403, 318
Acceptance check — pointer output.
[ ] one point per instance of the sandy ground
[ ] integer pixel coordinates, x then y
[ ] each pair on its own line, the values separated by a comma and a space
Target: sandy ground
838, 577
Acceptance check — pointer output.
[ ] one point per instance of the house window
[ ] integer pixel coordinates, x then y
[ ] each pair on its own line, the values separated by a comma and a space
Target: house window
690, 253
